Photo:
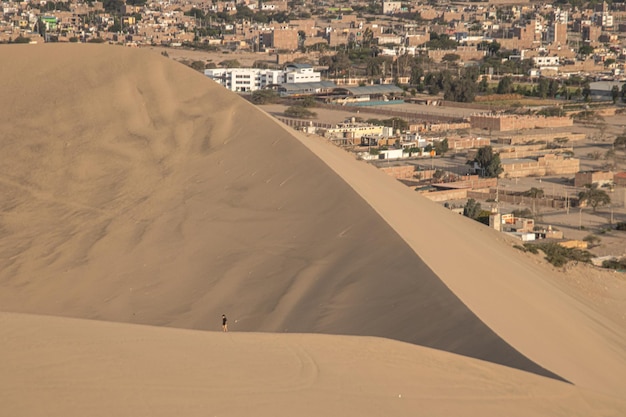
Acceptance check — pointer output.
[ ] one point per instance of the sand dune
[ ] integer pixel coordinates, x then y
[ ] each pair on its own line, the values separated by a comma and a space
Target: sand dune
135, 190
78, 367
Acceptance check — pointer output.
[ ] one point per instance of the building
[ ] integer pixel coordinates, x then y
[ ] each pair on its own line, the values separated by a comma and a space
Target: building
507, 122
545, 61
280, 39
557, 34
391, 7
246, 80
367, 95
301, 73
602, 90
510, 223
306, 89
593, 177
354, 131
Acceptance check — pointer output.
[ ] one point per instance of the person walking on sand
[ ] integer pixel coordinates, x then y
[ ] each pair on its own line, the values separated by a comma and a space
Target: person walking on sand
224, 323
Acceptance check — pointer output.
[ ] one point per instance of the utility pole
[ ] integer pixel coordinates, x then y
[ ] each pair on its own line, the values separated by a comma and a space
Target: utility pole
580, 218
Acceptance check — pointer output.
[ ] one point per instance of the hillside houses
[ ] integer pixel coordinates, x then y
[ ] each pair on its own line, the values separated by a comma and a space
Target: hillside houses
560, 40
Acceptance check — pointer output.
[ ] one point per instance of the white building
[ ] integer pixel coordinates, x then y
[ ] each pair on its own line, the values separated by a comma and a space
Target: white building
391, 7
253, 79
301, 73
244, 79
546, 61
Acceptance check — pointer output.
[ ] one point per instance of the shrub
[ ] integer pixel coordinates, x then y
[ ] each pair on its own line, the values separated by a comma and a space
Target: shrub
22, 39
592, 240
621, 226
558, 255
619, 264
529, 247
264, 96
300, 112
483, 217
308, 102
525, 213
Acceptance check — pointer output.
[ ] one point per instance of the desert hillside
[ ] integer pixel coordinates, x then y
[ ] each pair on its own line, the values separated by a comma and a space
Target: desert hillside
135, 190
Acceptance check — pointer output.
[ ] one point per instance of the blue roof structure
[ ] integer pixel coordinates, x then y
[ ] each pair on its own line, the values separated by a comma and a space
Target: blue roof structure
373, 89
305, 88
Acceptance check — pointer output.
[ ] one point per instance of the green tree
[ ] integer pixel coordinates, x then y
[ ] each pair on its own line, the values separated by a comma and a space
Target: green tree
308, 101
620, 141
21, 39
594, 196
483, 85
339, 63
585, 50
462, 89
488, 162
534, 192
198, 65
41, 28
552, 111
592, 240
264, 96
194, 12
374, 66
614, 93
472, 209
441, 147
543, 87
440, 42
451, 57
505, 86
230, 63
300, 112
368, 37
586, 91
395, 123
553, 88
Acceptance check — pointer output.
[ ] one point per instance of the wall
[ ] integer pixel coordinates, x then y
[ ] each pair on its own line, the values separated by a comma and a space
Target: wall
446, 195
400, 172
545, 165
437, 127
520, 152
503, 123
465, 52
540, 137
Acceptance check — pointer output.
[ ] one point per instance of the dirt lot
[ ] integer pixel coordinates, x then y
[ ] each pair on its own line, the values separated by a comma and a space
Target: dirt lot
246, 59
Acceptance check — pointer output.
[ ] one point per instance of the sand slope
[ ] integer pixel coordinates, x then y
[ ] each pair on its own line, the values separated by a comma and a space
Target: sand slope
136, 190
149, 194
76, 367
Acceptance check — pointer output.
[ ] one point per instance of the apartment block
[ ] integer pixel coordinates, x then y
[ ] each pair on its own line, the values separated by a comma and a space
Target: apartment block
253, 79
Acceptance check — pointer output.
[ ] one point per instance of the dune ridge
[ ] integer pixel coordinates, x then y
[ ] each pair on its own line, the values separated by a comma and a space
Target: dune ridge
137, 191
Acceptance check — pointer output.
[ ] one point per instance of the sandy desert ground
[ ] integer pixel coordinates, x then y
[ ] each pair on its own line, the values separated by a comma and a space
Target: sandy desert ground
141, 201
